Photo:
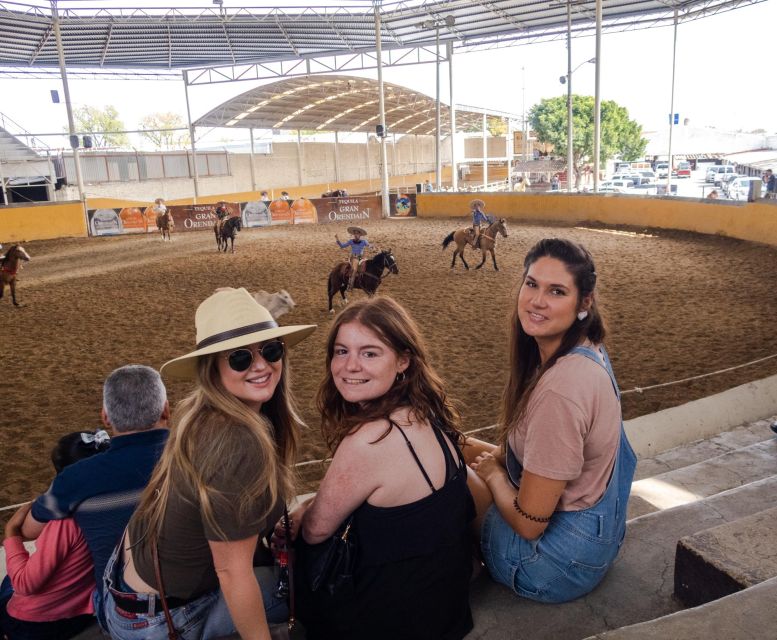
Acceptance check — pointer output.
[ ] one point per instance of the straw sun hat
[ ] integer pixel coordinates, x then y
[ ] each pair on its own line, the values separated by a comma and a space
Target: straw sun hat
477, 203
358, 230
229, 319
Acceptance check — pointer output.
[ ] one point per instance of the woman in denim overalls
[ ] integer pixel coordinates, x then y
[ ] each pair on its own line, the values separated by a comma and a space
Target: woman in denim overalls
552, 496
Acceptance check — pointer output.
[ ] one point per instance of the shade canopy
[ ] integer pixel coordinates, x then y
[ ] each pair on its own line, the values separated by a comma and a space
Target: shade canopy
336, 103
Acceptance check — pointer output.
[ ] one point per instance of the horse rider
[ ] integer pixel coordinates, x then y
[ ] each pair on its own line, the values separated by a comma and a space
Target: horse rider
221, 210
357, 244
478, 217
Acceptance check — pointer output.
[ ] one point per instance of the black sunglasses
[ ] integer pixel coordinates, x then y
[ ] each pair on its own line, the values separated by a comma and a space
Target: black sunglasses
241, 359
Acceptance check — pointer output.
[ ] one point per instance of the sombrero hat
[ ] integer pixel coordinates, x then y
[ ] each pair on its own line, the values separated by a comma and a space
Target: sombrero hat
229, 319
477, 203
358, 230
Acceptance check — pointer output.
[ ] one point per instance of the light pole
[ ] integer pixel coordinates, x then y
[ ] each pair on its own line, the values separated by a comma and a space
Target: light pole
447, 21
570, 133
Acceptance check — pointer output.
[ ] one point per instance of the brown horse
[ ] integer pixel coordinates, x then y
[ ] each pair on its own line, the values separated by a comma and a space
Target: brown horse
464, 236
368, 278
9, 267
165, 224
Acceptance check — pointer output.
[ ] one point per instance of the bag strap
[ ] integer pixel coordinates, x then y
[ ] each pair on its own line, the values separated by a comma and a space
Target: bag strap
172, 634
290, 555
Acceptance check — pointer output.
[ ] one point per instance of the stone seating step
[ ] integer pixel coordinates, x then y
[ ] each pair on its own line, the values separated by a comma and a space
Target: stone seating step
746, 615
702, 479
639, 586
725, 559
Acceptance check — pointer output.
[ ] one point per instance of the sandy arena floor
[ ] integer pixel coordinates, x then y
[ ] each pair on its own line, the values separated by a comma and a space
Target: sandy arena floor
678, 305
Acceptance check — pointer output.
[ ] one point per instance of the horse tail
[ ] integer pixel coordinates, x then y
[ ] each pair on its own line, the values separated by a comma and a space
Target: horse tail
448, 240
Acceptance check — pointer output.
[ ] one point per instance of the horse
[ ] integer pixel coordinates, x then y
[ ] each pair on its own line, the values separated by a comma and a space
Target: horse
228, 231
165, 224
9, 267
221, 214
368, 279
337, 193
464, 236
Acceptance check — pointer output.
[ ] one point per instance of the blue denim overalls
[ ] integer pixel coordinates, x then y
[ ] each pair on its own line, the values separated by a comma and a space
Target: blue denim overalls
575, 551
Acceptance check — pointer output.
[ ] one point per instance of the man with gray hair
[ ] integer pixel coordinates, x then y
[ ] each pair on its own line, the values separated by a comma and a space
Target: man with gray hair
102, 491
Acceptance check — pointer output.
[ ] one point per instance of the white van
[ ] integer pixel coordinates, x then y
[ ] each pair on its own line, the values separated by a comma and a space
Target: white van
716, 172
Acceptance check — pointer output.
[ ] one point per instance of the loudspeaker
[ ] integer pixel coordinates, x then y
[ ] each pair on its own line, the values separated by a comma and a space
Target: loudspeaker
74, 142
380, 131
419, 187
87, 142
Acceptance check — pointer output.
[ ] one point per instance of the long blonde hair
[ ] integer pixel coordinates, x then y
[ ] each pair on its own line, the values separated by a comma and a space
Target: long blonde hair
210, 431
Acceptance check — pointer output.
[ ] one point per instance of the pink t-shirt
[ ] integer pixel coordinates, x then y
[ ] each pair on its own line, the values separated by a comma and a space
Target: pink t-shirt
56, 581
571, 430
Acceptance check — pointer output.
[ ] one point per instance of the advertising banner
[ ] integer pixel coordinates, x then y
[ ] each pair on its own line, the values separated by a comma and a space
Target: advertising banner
402, 205
352, 209
280, 212
197, 217
255, 213
304, 211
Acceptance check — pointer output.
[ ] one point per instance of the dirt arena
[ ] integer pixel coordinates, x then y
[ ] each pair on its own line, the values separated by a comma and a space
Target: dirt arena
678, 304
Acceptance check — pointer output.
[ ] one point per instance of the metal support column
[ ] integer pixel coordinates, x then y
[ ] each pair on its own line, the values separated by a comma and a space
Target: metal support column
68, 106
2, 183
671, 111
524, 124
253, 170
598, 97
191, 137
437, 158
337, 159
485, 152
570, 132
454, 172
384, 183
367, 156
299, 157
394, 170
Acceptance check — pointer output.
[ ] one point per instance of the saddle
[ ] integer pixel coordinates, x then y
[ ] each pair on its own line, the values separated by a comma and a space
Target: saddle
360, 270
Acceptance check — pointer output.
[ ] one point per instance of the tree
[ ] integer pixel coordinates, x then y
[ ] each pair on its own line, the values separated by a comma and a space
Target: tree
103, 125
619, 134
161, 130
496, 126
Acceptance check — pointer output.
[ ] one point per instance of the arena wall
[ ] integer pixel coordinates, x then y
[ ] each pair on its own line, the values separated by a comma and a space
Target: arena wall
755, 221
42, 221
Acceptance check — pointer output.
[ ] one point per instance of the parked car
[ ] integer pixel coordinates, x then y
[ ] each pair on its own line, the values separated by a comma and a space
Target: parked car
716, 172
635, 177
684, 169
739, 189
616, 186
662, 169
621, 167
649, 174
727, 179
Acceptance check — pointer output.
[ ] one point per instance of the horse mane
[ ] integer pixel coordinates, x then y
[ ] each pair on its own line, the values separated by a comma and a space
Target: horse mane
7, 255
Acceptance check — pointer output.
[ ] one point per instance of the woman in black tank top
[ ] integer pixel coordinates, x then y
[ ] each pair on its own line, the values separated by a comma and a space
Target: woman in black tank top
398, 472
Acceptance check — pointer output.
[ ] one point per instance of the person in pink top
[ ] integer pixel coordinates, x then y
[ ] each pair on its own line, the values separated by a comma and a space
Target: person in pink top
52, 588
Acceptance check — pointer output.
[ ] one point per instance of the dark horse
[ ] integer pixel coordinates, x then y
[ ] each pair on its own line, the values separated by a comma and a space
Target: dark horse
228, 232
368, 279
337, 193
221, 214
165, 224
9, 266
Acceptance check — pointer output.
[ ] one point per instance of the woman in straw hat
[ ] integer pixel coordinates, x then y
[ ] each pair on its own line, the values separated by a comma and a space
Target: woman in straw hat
478, 217
397, 474
357, 244
221, 484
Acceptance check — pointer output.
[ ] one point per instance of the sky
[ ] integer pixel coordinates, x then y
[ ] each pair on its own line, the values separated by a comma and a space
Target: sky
725, 78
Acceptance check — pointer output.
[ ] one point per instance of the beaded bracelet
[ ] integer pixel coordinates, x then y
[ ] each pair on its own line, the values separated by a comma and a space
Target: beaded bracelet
528, 516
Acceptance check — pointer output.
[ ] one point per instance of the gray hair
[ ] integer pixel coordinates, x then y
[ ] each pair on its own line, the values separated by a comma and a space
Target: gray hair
134, 397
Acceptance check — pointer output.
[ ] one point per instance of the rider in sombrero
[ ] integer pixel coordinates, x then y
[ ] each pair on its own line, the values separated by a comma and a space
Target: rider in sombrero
478, 217
357, 244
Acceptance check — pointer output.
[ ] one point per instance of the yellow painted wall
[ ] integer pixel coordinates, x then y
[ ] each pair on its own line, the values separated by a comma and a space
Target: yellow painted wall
42, 222
756, 222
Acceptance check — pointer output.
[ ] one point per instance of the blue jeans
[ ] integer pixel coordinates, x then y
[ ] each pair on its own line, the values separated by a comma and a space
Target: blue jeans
201, 619
578, 547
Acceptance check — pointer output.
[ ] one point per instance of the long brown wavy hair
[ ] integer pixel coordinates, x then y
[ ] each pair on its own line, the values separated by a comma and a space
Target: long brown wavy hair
525, 363
213, 434
421, 388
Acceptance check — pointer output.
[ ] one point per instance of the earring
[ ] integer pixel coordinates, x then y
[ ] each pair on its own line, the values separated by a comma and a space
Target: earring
582, 315
401, 376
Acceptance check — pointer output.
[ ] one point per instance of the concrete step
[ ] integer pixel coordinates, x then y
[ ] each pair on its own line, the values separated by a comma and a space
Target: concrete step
722, 560
747, 615
703, 479
639, 586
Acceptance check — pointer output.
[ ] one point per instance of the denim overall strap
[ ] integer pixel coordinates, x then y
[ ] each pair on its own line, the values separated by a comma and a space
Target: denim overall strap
591, 355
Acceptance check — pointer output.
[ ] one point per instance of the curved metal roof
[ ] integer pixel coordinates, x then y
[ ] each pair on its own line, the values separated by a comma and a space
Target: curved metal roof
192, 38
336, 103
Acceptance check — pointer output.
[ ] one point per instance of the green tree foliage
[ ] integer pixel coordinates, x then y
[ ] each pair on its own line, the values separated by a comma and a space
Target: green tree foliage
496, 126
103, 125
159, 130
620, 135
